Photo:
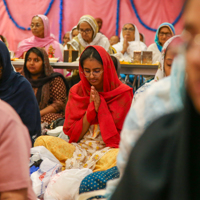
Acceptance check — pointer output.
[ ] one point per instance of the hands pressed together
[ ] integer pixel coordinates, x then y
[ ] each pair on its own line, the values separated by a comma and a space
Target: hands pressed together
94, 96
125, 45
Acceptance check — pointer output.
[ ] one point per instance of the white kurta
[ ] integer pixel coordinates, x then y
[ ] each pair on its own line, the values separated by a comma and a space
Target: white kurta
156, 53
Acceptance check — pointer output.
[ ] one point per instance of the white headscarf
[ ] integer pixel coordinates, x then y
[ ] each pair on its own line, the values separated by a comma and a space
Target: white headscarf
70, 34
135, 45
137, 34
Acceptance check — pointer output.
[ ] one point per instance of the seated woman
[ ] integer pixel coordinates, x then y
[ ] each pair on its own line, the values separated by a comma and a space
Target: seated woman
129, 42
94, 115
164, 70
50, 88
168, 54
17, 91
163, 33
88, 35
42, 37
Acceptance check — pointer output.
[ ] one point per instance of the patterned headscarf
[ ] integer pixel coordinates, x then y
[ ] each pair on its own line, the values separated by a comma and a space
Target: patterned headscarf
91, 21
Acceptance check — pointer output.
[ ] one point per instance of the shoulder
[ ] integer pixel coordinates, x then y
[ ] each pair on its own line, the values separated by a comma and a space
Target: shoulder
24, 84
103, 37
76, 89
21, 43
142, 89
162, 130
116, 45
152, 46
57, 81
143, 45
74, 43
158, 143
8, 116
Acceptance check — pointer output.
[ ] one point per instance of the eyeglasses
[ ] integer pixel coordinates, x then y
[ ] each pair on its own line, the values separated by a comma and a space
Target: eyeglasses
128, 29
94, 73
86, 31
36, 25
166, 34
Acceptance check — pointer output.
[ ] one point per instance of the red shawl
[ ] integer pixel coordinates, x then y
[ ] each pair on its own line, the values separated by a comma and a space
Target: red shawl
115, 103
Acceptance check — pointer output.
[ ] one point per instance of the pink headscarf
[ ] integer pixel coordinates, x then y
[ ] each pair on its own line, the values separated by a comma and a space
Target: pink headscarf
48, 40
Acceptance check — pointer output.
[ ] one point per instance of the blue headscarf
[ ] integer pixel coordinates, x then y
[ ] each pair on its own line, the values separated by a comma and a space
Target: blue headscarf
171, 28
17, 91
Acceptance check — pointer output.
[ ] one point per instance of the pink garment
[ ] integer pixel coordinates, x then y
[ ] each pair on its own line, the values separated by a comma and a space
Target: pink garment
152, 12
15, 147
49, 39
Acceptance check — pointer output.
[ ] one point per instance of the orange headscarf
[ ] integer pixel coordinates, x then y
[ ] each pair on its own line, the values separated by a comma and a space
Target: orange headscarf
115, 103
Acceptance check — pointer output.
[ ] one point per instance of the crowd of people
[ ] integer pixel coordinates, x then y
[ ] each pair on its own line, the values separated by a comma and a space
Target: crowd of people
139, 144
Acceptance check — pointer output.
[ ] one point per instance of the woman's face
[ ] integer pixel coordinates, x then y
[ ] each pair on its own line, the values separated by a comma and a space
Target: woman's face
34, 64
93, 71
129, 32
74, 33
37, 27
86, 32
169, 57
163, 35
66, 38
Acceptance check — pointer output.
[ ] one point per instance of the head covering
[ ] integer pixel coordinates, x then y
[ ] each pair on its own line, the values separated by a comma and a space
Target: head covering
43, 83
137, 34
17, 91
91, 21
49, 39
70, 34
115, 103
161, 71
171, 28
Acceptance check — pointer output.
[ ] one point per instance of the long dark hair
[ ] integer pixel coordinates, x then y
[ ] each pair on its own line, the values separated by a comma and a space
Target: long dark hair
39, 54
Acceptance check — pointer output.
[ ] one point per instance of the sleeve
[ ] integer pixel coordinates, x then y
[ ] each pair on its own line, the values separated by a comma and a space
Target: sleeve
58, 94
29, 112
